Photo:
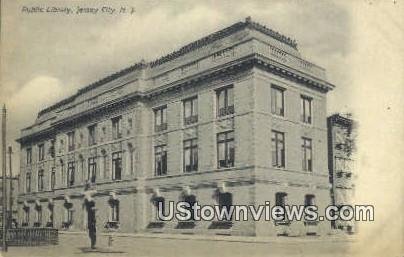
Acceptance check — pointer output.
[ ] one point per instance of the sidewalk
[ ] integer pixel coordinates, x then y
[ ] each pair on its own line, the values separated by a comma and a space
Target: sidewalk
243, 239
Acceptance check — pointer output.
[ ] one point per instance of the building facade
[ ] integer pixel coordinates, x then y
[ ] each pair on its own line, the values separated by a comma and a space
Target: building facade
235, 118
341, 147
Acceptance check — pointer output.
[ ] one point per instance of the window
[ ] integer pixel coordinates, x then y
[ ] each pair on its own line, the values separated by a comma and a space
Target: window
160, 163
309, 200
38, 216
307, 158
52, 149
343, 164
306, 109
28, 182
92, 169
225, 201
280, 200
277, 101
70, 174
53, 178
114, 212
70, 141
26, 217
49, 224
225, 103
116, 165
160, 119
225, 149
191, 200
92, 134
190, 155
40, 180
68, 219
116, 127
190, 111
278, 149
158, 206
41, 152
29, 155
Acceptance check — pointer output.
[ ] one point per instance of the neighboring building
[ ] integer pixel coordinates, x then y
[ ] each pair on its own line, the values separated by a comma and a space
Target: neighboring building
13, 189
341, 146
237, 117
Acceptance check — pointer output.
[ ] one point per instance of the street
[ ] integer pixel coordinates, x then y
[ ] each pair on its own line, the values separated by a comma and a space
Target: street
78, 245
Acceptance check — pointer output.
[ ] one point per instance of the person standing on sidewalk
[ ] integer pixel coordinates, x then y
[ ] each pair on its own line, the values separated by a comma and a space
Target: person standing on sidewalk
91, 224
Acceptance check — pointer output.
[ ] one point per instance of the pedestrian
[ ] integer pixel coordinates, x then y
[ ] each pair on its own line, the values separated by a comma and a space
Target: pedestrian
91, 225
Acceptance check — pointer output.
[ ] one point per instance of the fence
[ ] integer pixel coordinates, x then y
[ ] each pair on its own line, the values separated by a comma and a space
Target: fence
31, 236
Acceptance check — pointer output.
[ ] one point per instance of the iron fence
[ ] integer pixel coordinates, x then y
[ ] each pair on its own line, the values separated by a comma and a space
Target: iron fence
31, 236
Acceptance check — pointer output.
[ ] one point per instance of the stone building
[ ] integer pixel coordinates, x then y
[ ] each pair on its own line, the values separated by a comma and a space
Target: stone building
237, 117
341, 147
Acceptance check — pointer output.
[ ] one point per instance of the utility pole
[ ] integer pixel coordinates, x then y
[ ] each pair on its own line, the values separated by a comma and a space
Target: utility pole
4, 181
10, 210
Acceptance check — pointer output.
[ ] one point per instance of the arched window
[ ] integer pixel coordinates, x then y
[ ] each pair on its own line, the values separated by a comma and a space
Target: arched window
68, 215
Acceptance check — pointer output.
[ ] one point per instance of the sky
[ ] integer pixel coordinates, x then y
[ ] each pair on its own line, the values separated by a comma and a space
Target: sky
47, 57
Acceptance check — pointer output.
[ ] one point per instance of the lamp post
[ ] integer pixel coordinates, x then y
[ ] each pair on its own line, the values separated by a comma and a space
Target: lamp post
10, 152
4, 182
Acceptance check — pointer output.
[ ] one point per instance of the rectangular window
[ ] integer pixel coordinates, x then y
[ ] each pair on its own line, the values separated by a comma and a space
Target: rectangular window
26, 216
307, 158
116, 165
225, 101
70, 174
306, 116
40, 180
92, 169
38, 216
28, 182
52, 149
29, 155
70, 141
68, 217
92, 135
53, 178
117, 127
277, 101
190, 111
225, 149
190, 155
160, 160
309, 200
280, 199
160, 119
41, 152
278, 149
114, 211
